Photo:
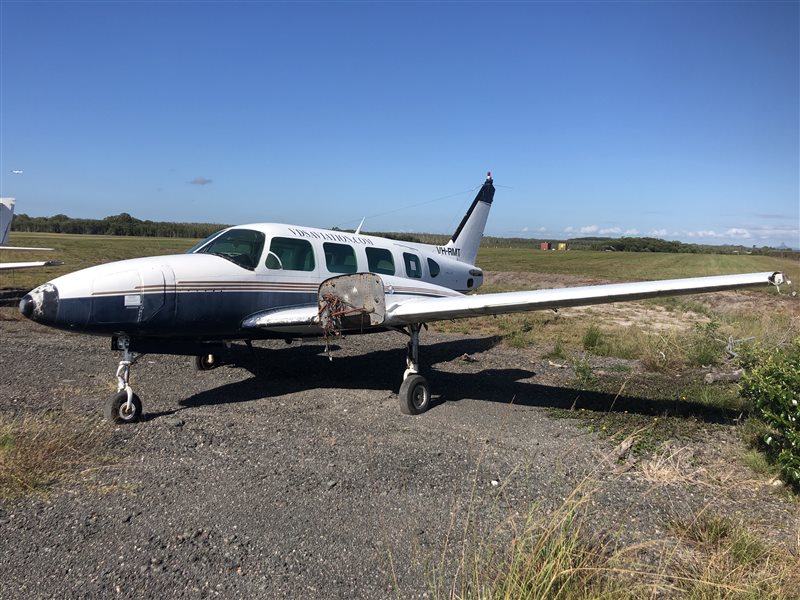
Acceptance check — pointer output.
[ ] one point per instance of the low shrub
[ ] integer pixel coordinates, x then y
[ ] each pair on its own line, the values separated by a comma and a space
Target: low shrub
773, 386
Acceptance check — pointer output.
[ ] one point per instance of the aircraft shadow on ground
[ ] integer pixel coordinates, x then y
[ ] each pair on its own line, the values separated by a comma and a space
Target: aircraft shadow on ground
300, 368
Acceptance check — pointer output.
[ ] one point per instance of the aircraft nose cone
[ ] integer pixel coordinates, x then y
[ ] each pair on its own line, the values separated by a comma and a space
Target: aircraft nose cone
26, 306
40, 304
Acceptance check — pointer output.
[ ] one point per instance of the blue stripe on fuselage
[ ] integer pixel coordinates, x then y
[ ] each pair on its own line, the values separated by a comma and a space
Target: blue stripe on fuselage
182, 314
167, 315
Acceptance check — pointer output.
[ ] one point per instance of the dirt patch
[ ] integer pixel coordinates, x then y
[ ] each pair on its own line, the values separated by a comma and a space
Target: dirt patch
652, 319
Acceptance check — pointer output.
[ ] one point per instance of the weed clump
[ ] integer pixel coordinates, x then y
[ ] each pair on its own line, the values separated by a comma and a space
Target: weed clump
705, 348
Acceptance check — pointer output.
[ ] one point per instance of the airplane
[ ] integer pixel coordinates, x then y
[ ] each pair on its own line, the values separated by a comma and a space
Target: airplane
272, 280
17, 171
6, 216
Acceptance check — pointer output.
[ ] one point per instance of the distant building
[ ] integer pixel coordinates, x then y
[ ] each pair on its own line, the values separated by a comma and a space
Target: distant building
562, 246
545, 246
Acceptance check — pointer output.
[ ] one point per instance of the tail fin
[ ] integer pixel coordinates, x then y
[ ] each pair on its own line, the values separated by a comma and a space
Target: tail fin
6, 214
467, 238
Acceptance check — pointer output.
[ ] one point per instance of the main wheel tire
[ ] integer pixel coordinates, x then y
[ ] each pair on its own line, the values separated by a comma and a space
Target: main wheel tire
116, 408
414, 395
205, 362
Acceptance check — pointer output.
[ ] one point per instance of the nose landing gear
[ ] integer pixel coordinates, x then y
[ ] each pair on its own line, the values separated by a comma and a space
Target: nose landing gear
124, 406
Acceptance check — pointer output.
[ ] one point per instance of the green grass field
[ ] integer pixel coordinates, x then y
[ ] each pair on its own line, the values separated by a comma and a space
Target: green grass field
80, 251
629, 265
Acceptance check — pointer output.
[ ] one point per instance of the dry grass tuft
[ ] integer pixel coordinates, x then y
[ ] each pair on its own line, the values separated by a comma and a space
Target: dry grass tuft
718, 558
548, 556
678, 466
39, 450
556, 556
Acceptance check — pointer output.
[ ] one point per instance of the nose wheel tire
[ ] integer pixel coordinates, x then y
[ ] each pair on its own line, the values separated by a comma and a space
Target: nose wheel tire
414, 395
117, 410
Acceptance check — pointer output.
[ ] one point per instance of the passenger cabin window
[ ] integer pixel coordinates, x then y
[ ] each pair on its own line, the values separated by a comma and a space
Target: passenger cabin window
433, 267
380, 261
413, 266
340, 258
240, 246
290, 254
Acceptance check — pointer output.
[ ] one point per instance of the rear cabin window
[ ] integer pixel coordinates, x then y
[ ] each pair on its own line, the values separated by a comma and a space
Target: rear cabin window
380, 261
340, 258
413, 266
290, 254
433, 267
240, 246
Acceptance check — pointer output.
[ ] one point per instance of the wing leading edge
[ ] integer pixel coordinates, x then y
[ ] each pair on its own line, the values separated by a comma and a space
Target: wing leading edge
437, 309
26, 265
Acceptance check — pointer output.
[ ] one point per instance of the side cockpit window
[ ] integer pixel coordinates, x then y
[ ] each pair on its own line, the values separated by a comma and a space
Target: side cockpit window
340, 258
413, 266
433, 267
380, 261
290, 254
240, 246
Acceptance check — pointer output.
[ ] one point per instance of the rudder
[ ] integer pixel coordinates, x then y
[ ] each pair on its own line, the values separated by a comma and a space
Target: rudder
467, 238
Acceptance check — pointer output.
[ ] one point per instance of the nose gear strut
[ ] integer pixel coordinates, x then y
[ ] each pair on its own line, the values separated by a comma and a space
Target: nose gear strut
124, 406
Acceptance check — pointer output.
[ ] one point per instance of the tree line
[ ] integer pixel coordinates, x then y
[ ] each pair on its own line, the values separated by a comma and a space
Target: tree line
122, 224
127, 225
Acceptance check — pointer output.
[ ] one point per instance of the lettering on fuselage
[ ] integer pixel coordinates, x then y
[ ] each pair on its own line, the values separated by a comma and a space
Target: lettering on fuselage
448, 251
332, 237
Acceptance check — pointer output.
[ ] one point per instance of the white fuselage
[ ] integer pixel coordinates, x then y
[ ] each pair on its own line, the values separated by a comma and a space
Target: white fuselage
263, 267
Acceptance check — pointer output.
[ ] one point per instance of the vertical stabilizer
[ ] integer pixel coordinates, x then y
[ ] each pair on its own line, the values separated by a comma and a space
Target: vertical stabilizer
6, 214
467, 238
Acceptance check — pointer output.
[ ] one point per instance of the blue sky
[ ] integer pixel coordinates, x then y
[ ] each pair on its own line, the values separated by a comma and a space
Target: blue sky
675, 119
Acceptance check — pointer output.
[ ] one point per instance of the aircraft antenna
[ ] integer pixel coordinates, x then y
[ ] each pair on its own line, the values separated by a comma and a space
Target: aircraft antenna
358, 229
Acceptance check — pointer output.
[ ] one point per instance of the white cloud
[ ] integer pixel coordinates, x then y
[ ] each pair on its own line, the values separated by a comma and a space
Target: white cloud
569, 229
609, 230
631, 232
658, 232
524, 230
589, 229
703, 233
733, 232
200, 181
542, 229
737, 232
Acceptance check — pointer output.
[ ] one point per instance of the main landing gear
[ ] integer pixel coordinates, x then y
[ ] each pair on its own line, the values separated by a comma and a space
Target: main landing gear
205, 362
124, 406
415, 394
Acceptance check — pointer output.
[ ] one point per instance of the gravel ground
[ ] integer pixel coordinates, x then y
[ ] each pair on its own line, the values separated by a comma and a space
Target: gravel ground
297, 477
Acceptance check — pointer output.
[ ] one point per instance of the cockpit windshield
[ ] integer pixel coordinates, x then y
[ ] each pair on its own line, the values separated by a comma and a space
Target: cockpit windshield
240, 246
202, 243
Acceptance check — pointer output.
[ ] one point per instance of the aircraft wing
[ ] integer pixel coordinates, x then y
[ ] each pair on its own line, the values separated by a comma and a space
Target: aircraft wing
15, 248
25, 265
418, 310
402, 309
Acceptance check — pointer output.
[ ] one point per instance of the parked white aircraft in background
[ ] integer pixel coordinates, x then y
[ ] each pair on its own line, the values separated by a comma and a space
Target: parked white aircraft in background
270, 280
6, 216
